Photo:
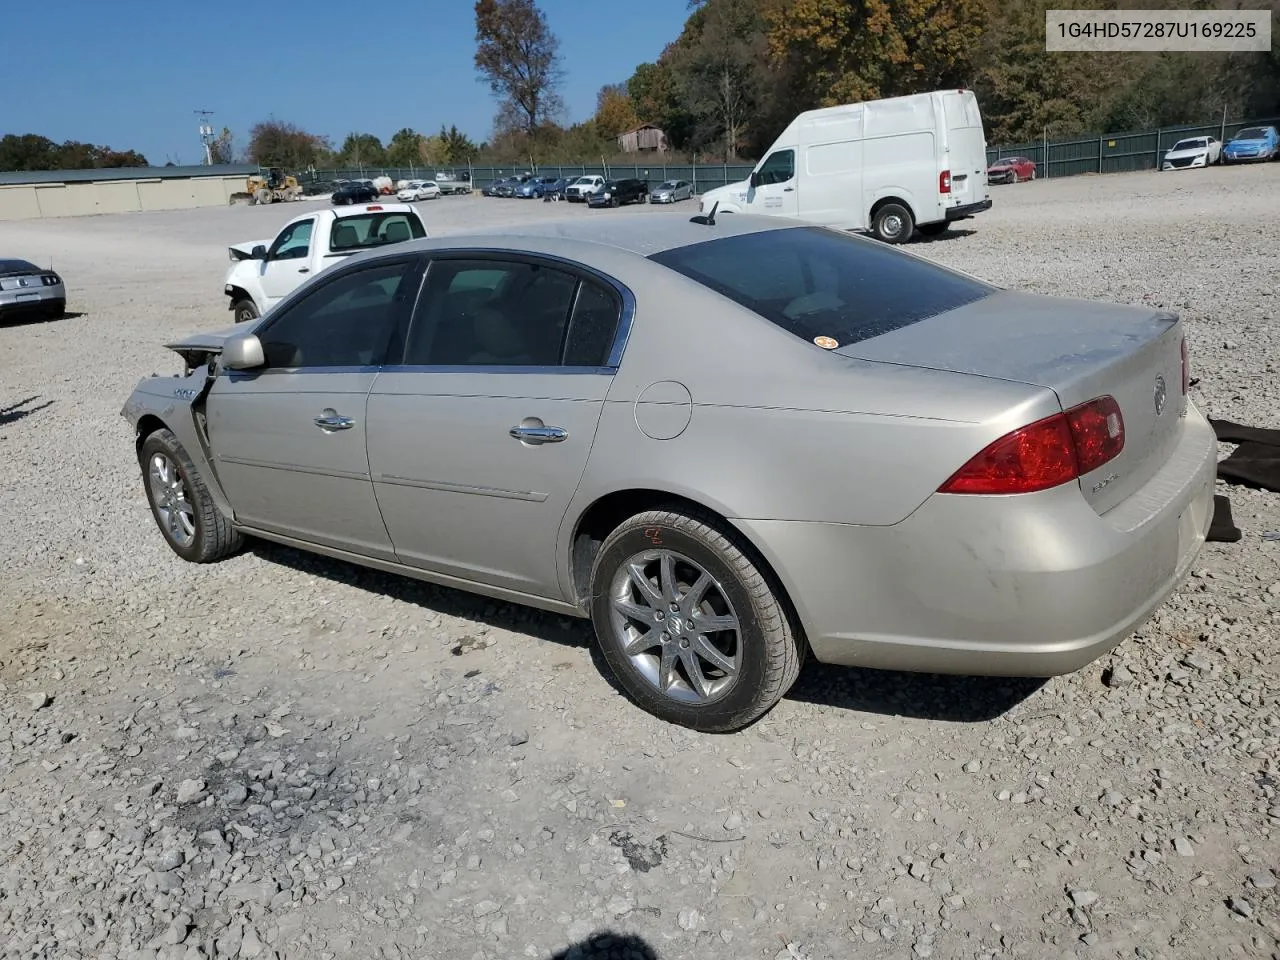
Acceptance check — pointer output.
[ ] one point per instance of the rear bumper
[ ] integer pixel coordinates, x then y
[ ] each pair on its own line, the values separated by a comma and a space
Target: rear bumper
40, 299
1034, 586
967, 210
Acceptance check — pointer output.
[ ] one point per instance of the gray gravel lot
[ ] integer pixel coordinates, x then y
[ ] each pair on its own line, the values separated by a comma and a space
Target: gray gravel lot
284, 756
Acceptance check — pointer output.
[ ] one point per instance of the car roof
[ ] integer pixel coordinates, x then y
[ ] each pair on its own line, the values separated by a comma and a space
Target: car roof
643, 234
17, 266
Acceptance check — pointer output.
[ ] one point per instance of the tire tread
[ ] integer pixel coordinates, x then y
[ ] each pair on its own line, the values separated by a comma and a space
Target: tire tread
217, 536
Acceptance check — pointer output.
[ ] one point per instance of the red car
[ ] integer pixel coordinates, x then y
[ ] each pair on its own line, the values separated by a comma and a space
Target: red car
1011, 170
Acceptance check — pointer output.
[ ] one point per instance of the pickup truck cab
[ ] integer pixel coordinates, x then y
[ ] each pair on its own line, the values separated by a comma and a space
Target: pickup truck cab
583, 187
263, 272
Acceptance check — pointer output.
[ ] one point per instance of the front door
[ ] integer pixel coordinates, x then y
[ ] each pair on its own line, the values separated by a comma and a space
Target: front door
289, 440
775, 191
478, 440
287, 263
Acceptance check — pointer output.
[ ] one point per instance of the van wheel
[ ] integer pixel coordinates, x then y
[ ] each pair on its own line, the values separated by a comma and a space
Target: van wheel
934, 229
893, 223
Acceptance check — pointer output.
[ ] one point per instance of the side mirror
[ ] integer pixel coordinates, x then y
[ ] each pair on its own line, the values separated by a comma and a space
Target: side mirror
755, 178
258, 253
243, 351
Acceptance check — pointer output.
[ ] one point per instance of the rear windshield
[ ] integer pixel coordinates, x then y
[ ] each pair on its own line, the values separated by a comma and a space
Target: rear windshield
365, 230
814, 282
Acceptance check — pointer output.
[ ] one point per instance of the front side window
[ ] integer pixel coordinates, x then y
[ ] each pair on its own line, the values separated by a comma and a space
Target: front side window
347, 322
366, 230
779, 168
294, 241
510, 313
815, 282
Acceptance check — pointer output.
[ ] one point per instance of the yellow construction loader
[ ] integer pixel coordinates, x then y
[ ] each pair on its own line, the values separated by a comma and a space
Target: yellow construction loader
273, 187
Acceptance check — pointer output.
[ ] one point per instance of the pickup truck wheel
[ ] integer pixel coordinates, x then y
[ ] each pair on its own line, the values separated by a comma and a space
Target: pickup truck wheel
245, 310
893, 223
181, 504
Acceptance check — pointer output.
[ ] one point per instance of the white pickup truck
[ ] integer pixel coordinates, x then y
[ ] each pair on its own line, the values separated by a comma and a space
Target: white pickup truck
263, 272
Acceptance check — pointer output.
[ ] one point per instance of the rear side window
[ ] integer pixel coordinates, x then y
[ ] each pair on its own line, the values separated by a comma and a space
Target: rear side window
366, 230
815, 282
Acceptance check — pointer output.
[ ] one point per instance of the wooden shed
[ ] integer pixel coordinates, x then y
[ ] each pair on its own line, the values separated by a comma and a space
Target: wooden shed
645, 138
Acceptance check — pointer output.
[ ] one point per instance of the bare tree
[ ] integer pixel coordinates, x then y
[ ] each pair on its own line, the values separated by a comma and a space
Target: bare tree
519, 56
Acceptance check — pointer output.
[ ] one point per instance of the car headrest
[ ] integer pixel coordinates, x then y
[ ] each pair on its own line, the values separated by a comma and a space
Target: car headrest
345, 236
397, 231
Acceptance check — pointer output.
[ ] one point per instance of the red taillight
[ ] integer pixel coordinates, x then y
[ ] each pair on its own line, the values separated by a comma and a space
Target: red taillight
1044, 454
1186, 368
944, 181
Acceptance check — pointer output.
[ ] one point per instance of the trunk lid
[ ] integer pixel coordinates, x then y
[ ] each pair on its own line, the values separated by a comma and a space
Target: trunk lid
1080, 349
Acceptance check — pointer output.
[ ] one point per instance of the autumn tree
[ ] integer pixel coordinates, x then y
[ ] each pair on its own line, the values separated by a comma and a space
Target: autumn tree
844, 51
519, 57
615, 113
274, 143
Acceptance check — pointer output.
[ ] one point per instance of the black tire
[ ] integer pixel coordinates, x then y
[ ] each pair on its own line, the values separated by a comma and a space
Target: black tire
934, 229
212, 537
244, 310
56, 310
893, 223
768, 651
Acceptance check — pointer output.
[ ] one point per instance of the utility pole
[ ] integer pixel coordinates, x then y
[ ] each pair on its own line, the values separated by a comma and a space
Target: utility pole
206, 134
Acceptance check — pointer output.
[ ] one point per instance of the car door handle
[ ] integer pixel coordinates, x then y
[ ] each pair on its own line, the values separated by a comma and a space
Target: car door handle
788, 189
304, 269
539, 435
329, 421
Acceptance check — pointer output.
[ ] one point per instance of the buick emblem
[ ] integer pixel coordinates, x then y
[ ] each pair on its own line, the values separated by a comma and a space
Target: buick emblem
1160, 395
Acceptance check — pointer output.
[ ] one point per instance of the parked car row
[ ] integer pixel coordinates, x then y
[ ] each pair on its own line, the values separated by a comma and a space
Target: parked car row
591, 189
1250, 145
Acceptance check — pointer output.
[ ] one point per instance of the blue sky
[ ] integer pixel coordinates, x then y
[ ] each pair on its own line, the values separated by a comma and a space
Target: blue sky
129, 74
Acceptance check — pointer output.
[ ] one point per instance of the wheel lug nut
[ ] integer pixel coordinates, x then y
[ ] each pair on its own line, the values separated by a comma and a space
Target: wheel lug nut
666, 637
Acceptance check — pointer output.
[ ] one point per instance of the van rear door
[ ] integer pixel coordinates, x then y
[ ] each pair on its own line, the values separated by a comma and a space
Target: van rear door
965, 148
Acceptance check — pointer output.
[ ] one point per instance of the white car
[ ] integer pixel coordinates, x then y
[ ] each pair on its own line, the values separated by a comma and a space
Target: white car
583, 187
419, 190
1193, 152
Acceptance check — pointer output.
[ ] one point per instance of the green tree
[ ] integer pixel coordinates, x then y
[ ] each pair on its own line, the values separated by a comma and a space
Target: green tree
362, 149
519, 57
458, 147
223, 148
275, 143
405, 148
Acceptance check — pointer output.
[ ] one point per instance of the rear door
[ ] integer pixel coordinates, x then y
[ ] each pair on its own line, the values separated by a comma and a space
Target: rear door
478, 439
965, 148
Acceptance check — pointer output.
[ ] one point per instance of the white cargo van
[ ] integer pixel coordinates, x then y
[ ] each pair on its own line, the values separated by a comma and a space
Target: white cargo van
887, 166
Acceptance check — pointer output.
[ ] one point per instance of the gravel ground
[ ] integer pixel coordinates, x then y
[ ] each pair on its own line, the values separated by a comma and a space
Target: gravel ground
283, 756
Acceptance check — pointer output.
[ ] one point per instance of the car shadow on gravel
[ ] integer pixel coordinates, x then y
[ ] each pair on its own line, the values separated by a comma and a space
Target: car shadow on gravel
31, 318
21, 409
920, 696
952, 234
607, 945
956, 699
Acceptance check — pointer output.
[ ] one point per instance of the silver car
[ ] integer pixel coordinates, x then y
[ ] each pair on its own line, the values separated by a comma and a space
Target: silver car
671, 191
731, 443
28, 289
